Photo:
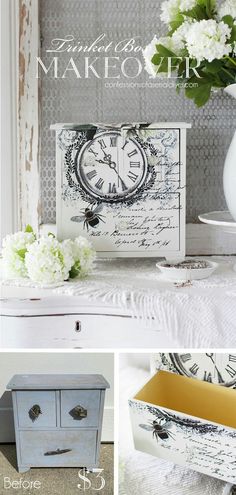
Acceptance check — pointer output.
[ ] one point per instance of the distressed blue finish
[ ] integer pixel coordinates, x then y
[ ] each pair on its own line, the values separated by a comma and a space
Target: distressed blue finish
48, 433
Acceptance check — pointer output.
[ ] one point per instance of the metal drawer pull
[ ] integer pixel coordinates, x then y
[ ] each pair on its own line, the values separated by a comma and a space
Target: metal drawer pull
78, 326
34, 412
58, 452
78, 412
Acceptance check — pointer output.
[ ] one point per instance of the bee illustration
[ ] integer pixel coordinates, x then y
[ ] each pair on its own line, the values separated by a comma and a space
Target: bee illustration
90, 216
159, 430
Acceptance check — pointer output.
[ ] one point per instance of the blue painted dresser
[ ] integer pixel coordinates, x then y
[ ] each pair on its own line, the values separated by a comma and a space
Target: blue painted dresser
58, 419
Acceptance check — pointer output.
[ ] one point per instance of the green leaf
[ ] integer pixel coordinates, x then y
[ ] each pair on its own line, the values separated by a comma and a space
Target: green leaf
200, 93
165, 52
198, 13
182, 68
214, 66
228, 19
161, 63
233, 34
75, 270
156, 59
210, 8
21, 253
29, 229
161, 59
179, 19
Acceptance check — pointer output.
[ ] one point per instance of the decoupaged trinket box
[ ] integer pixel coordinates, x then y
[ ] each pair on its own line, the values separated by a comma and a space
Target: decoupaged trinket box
188, 422
123, 187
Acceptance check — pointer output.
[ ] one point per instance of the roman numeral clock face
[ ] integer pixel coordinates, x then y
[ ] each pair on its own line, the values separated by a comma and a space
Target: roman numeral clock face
211, 367
111, 168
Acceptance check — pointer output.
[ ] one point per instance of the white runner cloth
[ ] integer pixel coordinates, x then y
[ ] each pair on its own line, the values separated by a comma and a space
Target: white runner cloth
203, 315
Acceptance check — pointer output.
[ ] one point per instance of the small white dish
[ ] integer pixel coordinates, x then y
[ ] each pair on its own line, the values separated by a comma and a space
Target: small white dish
184, 274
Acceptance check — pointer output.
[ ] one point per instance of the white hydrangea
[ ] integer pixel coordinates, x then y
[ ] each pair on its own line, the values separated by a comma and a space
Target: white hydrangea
14, 248
148, 53
227, 8
206, 40
48, 261
171, 8
83, 256
179, 36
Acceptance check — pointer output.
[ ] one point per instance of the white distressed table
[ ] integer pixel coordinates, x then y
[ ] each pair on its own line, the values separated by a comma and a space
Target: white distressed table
124, 303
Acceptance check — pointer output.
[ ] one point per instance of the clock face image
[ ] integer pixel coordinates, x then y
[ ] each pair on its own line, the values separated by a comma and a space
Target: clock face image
211, 367
111, 168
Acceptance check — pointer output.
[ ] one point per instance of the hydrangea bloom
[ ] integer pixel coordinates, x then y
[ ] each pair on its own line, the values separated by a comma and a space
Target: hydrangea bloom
171, 8
179, 36
13, 253
48, 261
83, 256
228, 8
206, 40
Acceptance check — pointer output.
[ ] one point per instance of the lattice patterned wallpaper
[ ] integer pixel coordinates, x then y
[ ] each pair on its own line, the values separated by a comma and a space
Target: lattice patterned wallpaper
88, 100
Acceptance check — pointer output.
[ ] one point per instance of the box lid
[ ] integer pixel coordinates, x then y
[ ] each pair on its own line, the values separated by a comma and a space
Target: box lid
125, 125
57, 382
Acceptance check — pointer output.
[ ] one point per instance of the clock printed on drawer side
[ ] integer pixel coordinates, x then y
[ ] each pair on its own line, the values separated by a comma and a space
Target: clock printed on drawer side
123, 188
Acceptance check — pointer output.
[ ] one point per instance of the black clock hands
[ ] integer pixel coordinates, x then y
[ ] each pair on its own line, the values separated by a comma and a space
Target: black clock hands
107, 160
210, 355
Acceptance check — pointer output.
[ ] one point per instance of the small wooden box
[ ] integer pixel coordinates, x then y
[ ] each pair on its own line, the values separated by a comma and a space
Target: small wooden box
58, 419
188, 422
123, 187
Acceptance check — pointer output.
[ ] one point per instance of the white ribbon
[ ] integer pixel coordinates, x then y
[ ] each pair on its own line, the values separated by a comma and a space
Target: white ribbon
125, 128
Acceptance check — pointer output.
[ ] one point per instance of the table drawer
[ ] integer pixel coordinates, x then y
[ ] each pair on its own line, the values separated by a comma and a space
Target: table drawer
58, 448
36, 409
80, 408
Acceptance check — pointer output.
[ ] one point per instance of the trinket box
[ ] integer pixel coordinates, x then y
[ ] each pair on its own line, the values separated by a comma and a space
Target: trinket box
123, 187
188, 422
58, 419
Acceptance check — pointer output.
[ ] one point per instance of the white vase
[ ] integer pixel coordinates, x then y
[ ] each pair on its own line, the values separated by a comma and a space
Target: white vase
229, 177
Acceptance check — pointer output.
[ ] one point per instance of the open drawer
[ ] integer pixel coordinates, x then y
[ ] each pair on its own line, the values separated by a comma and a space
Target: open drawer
188, 422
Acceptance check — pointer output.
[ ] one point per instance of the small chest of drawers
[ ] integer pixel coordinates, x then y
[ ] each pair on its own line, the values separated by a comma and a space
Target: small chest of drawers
58, 419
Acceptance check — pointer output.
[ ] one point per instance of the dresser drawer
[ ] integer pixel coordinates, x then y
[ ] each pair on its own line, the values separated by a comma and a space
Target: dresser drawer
58, 448
36, 409
80, 408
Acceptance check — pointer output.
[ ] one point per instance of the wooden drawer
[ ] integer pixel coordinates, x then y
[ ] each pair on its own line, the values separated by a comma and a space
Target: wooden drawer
36, 409
45, 448
80, 408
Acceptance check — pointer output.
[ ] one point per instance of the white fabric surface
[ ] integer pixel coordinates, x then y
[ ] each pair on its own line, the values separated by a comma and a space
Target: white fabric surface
203, 315
141, 473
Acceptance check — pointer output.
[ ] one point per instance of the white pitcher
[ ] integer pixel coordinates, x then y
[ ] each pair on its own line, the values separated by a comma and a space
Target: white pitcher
229, 177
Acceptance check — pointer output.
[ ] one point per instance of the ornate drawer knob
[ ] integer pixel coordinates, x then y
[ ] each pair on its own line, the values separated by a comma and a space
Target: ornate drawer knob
34, 412
78, 413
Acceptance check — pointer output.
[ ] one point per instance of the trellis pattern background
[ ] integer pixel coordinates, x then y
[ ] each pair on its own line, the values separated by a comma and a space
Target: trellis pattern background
88, 100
